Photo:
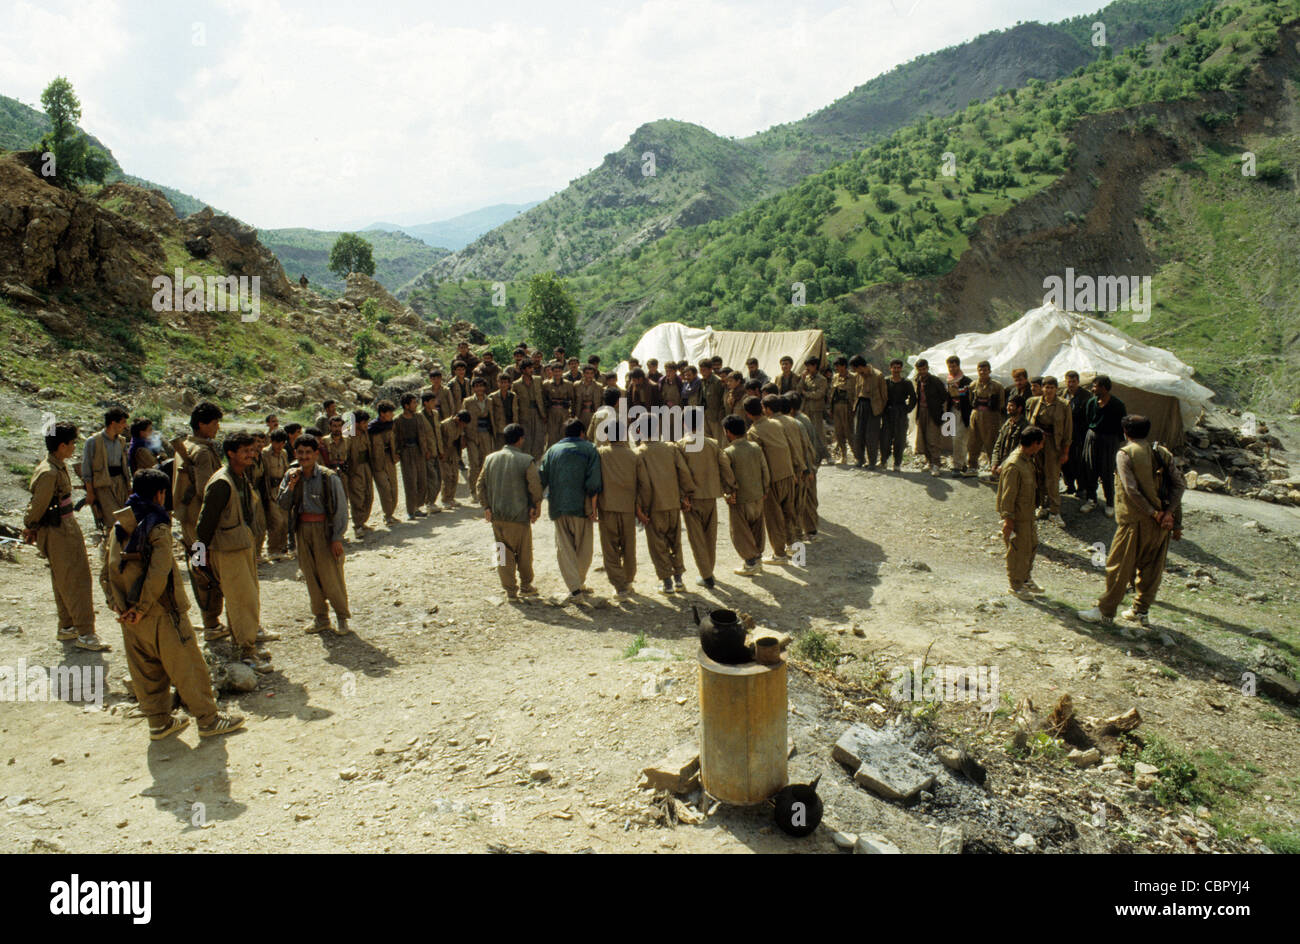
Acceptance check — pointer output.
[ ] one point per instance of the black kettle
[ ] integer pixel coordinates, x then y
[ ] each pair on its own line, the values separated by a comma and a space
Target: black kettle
722, 637
799, 808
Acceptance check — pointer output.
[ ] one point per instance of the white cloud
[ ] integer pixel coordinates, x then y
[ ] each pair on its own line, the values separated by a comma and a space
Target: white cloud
304, 114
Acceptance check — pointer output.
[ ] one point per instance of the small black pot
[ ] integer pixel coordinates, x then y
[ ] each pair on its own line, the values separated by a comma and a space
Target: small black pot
722, 637
799, 808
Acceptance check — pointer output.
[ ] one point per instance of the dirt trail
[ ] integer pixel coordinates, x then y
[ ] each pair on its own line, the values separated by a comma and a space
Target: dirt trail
417, 732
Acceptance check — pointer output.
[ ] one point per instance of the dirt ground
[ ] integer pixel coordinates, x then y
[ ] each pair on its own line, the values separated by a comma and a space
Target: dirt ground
417, 732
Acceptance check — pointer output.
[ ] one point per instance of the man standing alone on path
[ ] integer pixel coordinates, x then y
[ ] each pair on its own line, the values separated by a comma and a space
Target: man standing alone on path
931, 400
900, 401
1105, 415
1148, 506
1017, 491
52, 526
510, 491
313, 497
570, 475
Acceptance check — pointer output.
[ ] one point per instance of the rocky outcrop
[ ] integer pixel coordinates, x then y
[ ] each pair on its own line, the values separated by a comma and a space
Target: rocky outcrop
52, 239
235, 246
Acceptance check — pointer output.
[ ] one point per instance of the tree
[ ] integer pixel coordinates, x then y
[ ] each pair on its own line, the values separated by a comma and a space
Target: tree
351, 253
364, 340
75, 159
550, 318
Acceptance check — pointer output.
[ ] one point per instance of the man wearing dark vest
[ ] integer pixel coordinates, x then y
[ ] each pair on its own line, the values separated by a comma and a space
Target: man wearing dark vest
1148, 512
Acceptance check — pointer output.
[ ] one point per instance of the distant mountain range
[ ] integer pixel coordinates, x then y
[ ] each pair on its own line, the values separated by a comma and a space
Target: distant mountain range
459, 231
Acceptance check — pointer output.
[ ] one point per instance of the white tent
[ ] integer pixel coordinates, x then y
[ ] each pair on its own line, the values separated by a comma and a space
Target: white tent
678, 342
1049, 341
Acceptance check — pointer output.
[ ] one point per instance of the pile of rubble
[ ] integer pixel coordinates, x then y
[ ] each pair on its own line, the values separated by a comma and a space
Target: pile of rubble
1235, 454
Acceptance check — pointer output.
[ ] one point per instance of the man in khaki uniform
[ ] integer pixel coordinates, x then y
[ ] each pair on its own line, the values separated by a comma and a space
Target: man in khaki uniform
843, 395
558, 394
479, 435
663, 491
383, 458
778, 503
142, 584
275, 463
704, 460
105, 471
414, 450
870, 396
815, 391
988, 403
432, 465
199, 458
746, 479
261, 498
360, 477
1148, 513
444, 402
1052, 415
712, 396
313, 497
1016, 501
51, 525
801, 453
453, 435
510, 491
225, 537
586, 396
616, 510
502, 405
531, 412
931, 404
809, 502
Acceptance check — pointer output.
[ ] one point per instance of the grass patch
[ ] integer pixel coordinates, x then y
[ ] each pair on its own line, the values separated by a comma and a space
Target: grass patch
635, 646
818, 648
21, 469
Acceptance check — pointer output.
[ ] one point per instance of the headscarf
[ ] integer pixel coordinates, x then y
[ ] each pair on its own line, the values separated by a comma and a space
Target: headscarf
148, 515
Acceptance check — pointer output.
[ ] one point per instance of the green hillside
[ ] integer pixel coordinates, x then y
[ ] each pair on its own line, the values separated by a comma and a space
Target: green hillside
613, 208
398, 257
890, 216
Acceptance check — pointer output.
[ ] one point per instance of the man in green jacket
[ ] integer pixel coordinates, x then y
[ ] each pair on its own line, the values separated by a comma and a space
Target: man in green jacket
570, 472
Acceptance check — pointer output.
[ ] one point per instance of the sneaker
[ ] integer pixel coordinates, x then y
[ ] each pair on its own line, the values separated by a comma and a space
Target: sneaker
224, 724
173, 725
677, 582
67, 634
1109, 511
528, 592
1094, 615
776, 559
1134, 616
748, 570
341, 626
706, 582
1041, 513
898, 467
1033, 587
1087, 507
319, 625
512, 596
213, 633
621, 596
265, 636
390, 521
258, 663
936, 471
969, 473
668, 586
810, 537
1056, 519
92, 643
433, 510
1022, 593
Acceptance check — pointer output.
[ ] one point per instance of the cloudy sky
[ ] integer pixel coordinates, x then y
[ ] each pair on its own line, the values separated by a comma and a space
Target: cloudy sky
334, 115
